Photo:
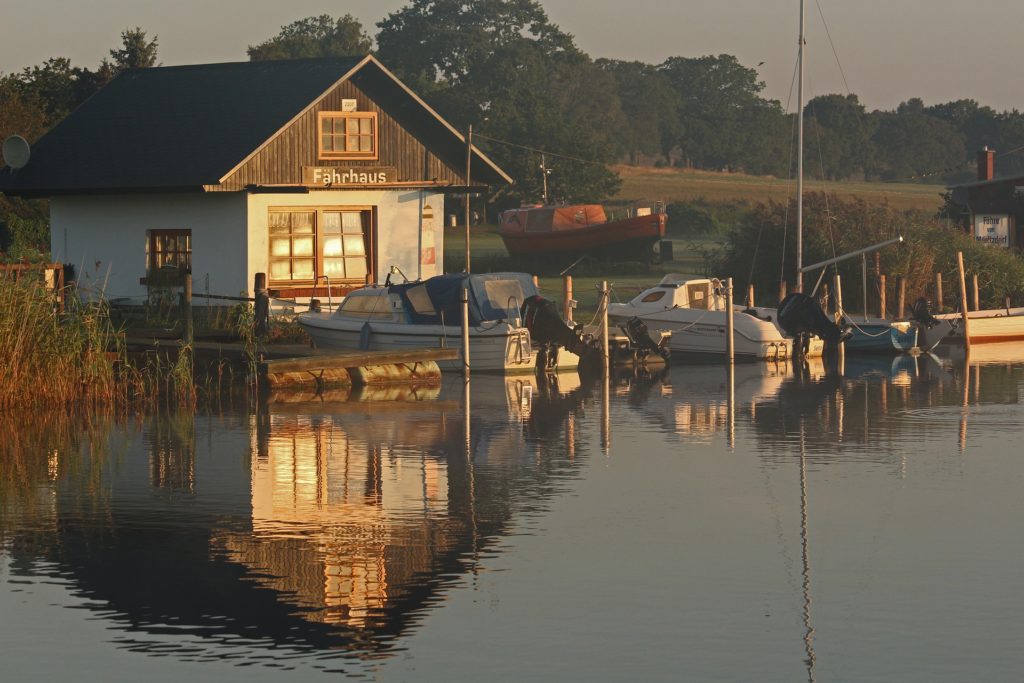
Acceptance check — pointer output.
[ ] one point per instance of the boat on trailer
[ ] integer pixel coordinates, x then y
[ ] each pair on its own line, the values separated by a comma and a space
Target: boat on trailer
506, 333
581, 229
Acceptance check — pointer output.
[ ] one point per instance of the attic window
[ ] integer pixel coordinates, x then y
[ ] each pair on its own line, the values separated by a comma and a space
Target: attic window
348, 135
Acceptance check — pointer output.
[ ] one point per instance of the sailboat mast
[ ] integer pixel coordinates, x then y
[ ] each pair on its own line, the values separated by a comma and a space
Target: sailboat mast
800, 158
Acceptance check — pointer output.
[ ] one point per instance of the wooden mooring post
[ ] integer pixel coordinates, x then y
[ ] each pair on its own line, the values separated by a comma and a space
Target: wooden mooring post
261, 309
750, 296
881, 296
963, 299
465, 332
730, 341
938, 292
901, 297
782, 290
603, 307
186, 305
975, 299
567, 301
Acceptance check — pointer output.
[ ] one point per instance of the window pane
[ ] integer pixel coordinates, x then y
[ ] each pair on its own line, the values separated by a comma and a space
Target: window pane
355, 268
366, 126
302, 222
332, 246
302, 269
354, 245
330, 221
302, 246
279, 270
352, 126
334, 267
351, 222
327, 142
280, 246
279, 223
365, 143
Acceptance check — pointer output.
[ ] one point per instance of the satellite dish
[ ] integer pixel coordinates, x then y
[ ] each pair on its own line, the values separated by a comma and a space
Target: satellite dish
16, 151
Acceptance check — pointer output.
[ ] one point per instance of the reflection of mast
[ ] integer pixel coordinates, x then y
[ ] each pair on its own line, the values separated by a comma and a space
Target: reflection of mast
731, 429
805, 557
470, 474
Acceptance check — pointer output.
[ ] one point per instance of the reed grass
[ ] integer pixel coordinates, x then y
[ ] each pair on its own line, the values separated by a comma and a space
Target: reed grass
51, 359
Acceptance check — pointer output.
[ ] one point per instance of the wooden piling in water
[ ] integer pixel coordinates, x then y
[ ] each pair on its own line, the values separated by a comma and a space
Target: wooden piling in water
750, 296
901, 297
186, 303
567, 297
938, 292
730, 342
963, 300
881, 296
261, 309
782, 290
974, 293
465, 332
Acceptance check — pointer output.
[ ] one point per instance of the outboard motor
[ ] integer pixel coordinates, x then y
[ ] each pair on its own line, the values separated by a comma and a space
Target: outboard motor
799, 314
640, 338
548, 329
919, 311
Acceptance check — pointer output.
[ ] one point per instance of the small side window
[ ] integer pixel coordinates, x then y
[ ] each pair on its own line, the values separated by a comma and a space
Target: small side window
652, 297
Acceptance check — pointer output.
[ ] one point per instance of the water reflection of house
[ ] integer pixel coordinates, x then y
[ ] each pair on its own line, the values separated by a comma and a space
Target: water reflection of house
341, 524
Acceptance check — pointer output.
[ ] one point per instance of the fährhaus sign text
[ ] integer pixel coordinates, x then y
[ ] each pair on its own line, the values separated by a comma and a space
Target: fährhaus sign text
335, 176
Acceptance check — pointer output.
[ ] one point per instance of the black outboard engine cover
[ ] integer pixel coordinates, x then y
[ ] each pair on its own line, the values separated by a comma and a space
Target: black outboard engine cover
547, 327
800, 314
919, 311
640, 336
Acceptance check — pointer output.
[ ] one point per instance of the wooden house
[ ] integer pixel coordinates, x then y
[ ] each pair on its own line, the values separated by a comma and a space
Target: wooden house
992, 209
311, 171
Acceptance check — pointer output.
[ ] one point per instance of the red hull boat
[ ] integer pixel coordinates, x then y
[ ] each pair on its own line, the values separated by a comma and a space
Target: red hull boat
580, 228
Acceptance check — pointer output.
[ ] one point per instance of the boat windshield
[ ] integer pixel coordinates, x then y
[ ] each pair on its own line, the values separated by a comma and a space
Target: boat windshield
376, 307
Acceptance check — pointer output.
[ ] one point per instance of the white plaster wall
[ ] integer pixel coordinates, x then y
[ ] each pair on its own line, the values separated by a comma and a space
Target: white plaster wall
104, 237
399, 229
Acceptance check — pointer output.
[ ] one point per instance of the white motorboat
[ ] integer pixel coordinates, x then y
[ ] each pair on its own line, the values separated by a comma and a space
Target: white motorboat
428, 314
694, 312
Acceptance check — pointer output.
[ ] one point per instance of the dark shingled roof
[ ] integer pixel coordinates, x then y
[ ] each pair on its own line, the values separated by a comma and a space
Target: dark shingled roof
182, 127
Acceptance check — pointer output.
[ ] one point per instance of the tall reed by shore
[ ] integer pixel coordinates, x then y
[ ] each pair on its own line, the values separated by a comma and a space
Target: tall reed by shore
76, 357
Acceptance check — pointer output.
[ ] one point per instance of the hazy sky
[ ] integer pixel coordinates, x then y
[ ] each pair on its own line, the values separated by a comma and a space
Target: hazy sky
890, 50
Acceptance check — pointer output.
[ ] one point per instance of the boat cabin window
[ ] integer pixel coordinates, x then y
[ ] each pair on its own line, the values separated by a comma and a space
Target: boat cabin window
378, 307
652, 297
697, 295
420, 300
504, 295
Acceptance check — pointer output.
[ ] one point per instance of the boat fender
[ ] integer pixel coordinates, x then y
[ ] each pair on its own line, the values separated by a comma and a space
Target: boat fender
364, 336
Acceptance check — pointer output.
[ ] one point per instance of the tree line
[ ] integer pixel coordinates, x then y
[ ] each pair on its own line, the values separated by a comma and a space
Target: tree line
526, 88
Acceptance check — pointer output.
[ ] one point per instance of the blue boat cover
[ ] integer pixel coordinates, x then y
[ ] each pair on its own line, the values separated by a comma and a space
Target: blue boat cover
492, 297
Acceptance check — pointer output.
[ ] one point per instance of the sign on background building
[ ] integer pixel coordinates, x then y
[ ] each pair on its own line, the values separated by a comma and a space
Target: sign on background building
992, 228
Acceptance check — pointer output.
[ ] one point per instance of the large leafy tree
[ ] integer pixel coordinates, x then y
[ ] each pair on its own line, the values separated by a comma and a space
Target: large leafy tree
431, 44
909, 143
321, 36
651, 106
718, 97
502, 67
838, 136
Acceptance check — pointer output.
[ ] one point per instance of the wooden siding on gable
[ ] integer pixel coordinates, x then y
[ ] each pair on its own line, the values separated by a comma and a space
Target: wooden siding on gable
281, 161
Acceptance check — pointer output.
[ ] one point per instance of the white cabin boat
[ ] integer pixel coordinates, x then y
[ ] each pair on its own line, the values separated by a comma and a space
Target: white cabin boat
694, 312
428, 314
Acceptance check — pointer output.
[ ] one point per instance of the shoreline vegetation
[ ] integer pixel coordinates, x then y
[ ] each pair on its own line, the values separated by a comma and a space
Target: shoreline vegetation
78, 359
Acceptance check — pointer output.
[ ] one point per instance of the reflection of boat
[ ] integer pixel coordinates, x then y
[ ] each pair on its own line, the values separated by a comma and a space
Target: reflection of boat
581, 228
429, 314
694, 312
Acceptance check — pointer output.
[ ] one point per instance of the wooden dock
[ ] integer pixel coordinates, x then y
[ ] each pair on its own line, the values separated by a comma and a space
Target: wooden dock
356, 368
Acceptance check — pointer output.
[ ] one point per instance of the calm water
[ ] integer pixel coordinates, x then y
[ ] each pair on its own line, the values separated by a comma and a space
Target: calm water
859, 523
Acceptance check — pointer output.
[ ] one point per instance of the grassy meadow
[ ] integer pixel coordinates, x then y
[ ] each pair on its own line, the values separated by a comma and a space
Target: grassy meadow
681, 185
